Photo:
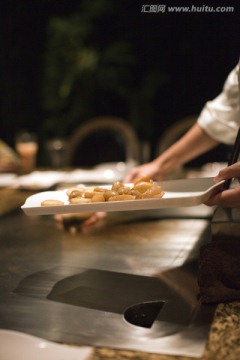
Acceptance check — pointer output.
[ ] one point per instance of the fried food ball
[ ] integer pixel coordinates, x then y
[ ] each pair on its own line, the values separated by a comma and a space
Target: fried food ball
117, 185
143, 186
121, 197
109, 193
52, 203
79, 200
98, 197
154, 191
144, 178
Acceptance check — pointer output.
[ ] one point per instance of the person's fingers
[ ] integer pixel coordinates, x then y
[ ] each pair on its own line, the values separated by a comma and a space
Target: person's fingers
226, 198
58, 217
75, 222
94, 223
229, 172
132, 175
94, 218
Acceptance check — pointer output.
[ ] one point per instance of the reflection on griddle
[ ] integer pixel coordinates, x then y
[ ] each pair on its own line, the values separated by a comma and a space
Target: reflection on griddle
106, 291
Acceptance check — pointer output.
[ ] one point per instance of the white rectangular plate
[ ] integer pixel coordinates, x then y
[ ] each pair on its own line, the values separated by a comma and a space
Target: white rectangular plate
177, 193
27, 346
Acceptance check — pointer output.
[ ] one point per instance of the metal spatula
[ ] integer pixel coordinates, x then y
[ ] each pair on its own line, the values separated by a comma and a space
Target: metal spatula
233, 159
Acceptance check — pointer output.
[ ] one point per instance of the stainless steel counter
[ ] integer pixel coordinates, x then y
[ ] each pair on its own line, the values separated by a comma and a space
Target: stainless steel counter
98, 288
225, 224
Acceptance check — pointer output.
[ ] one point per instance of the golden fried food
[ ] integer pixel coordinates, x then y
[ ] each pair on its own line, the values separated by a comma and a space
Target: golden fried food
98, 197
142, 188
52, 203
122, 197
99, 189
117, 185
152, 192
109, 193
79, 200
144, 178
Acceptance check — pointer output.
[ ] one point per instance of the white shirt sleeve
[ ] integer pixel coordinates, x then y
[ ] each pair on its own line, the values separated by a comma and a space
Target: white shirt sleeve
220, 118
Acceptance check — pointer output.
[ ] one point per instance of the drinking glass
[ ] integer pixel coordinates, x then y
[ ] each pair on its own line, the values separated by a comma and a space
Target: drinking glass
27, 147
56, 151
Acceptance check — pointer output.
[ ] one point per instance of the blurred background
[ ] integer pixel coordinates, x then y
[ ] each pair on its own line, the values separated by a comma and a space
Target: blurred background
63, 62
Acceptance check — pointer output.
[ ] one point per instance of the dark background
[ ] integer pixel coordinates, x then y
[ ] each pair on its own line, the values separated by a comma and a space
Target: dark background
178, 62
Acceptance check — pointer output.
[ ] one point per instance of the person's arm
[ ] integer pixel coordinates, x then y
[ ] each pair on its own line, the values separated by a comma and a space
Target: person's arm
231, 197
218, 122
220, 117
194, 143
